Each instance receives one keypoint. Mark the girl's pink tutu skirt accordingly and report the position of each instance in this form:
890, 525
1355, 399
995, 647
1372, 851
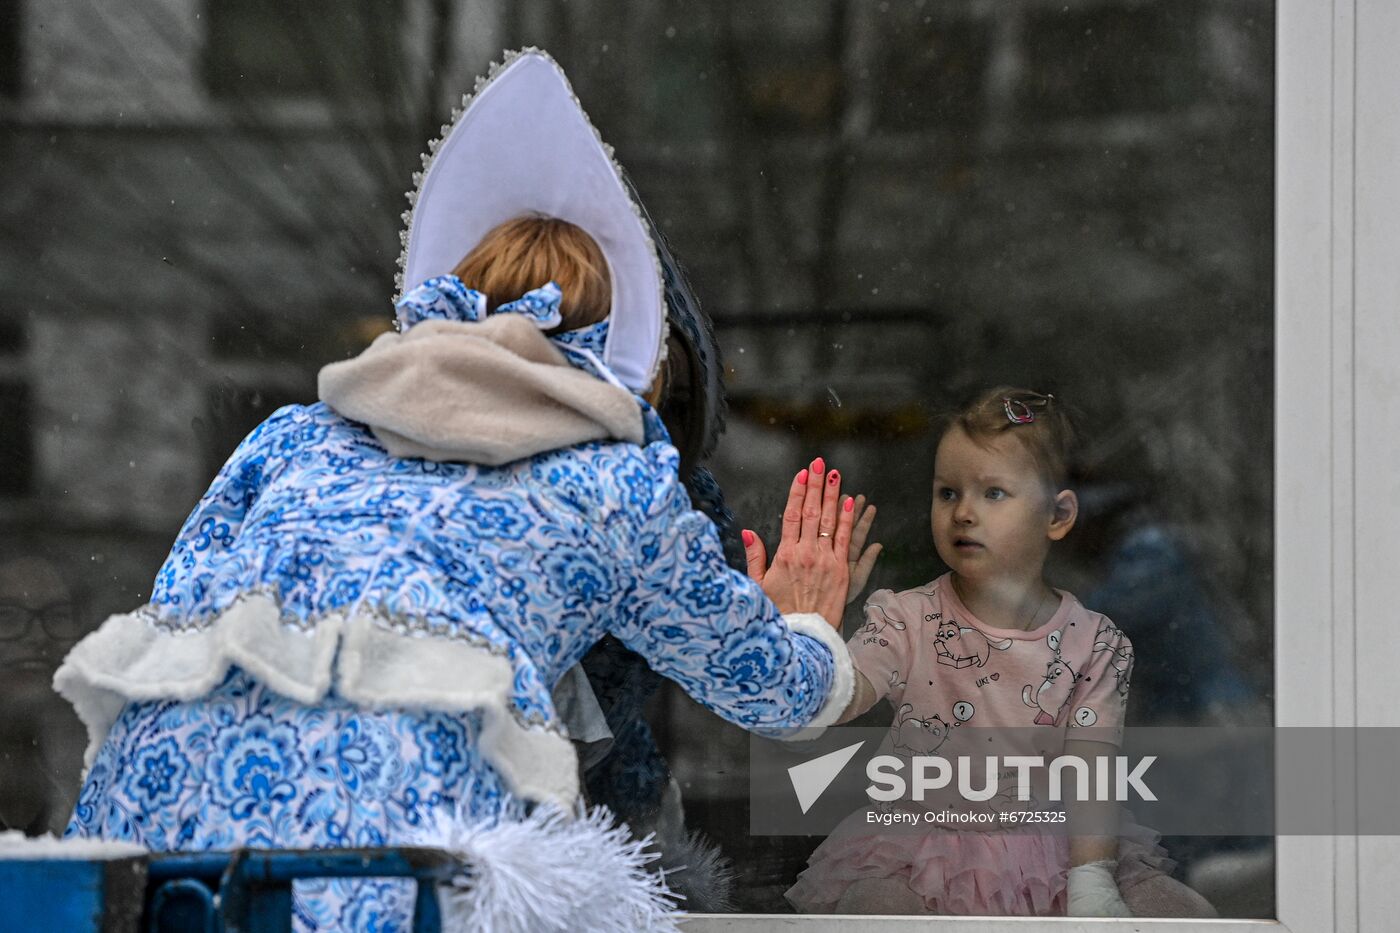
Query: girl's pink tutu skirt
963, 872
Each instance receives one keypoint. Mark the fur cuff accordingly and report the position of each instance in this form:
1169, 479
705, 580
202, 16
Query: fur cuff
842, 677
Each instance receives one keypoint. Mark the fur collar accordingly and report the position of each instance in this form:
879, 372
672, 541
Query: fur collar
487, 392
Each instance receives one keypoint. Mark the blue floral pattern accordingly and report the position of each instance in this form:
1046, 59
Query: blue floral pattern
254, 765
246, 766
365, 759
156, 775
541, 305
442, 745
534, 560
443, 298
446, 298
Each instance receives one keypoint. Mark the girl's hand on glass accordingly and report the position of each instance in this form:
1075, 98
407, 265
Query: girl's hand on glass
810, 571
861, 559
1092, 891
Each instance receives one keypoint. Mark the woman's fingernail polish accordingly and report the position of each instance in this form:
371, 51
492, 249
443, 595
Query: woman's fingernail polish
802, 478
850, 503
818, 465
748, 537
833, 477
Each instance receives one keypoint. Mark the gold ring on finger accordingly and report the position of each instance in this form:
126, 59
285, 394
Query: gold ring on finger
823, 534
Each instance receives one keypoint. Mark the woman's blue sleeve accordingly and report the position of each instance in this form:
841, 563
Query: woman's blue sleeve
712, 629
217, 520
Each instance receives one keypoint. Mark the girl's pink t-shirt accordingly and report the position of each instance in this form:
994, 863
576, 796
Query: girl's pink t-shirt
943, 669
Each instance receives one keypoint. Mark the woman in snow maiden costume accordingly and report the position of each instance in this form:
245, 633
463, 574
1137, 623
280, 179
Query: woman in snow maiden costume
354, 639
602, 700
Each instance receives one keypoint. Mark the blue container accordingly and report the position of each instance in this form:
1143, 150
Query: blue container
72, 895
243, 891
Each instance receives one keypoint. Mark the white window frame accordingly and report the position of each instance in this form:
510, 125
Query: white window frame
1337, 443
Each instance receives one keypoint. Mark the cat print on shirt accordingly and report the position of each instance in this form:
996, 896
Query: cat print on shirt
873, 632
895, 683
919, 736
1006, 801
959, 646
1121, 662
926, 736
1053, 694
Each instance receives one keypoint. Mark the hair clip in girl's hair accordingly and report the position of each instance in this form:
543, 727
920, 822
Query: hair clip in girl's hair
1018, 411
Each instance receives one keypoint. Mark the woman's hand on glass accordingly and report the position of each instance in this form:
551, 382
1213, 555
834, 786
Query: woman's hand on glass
810, 571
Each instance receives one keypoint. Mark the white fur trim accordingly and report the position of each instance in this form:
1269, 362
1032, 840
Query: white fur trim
842, 679
381, 668
132, 658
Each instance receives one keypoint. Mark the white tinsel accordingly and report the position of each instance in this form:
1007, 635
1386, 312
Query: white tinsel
699, 873
552, 871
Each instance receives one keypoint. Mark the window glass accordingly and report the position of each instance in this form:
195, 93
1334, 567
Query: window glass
259, 48
883, 207
11, 62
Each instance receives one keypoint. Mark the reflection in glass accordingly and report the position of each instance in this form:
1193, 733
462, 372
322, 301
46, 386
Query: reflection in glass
882, 206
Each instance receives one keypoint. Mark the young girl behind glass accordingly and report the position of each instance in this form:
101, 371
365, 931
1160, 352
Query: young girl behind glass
992, 644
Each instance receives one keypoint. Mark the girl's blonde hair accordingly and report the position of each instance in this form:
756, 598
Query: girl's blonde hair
526, 252
1042, 423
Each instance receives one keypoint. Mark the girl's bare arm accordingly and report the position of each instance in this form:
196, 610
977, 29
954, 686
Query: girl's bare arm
862, 698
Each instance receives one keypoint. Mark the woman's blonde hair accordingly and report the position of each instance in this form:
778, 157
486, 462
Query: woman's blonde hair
526, 252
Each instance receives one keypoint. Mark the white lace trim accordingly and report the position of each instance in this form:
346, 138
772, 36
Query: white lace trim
131, 658
843, 676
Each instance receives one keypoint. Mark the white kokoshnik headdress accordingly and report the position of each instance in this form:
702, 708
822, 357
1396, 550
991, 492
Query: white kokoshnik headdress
522, 144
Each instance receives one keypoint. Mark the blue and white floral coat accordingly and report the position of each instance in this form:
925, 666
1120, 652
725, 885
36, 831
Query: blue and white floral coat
341, 640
